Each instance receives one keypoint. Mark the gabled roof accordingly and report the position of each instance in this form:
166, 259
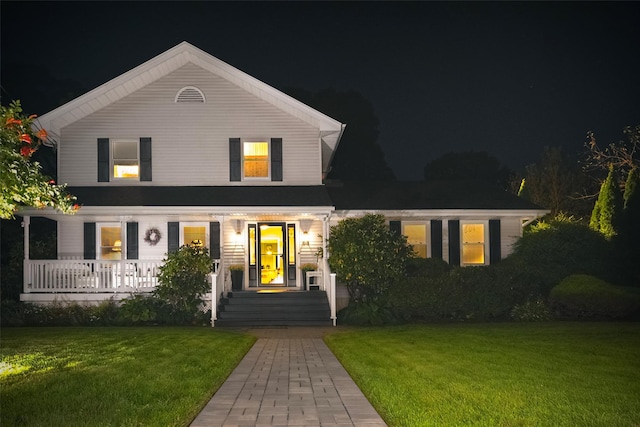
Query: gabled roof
169, 61
424, 195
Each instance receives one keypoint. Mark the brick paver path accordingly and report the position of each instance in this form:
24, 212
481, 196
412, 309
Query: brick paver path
289, 382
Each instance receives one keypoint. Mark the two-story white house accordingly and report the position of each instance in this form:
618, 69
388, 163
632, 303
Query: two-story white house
187, 148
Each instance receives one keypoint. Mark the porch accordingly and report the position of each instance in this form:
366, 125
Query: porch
93, 281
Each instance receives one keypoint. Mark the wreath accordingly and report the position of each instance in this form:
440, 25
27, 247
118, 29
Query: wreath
152, 236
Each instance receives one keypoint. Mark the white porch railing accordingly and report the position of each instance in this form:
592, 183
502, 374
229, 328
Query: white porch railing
88, 276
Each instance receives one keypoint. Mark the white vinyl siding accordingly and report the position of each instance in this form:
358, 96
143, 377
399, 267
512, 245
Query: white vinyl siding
70, 239
510, 232
190, 141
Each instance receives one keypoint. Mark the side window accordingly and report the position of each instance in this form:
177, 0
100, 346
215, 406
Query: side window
255, 159
416, 237
125, 159
474, 241
109, 241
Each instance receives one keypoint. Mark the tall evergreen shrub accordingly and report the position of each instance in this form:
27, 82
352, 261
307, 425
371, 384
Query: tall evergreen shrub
606, 216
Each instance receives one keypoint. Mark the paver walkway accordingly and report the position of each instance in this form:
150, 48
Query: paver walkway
291, 381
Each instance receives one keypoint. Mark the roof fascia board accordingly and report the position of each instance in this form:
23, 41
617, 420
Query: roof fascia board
445, 213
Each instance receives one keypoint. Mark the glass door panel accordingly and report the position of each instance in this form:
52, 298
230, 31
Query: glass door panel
271, 249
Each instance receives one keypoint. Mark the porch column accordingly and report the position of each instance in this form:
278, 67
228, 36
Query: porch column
329, 280
26, 270
123, 252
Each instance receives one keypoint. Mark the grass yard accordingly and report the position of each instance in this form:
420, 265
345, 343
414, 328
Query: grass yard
112, 376
539, 374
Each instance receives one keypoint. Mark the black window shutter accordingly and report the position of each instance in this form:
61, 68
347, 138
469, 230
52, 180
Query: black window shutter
89, 240
454, 242
103, 159
173, 236
214, 239
132, 240
495, 252
235, 171
395, 227
276, 159
436, 238
145, 159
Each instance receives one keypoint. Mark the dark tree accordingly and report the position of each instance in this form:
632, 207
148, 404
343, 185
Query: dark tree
556, 184
474, 165
623, 155
359, 156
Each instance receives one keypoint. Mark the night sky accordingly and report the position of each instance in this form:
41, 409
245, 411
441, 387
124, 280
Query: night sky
507, 78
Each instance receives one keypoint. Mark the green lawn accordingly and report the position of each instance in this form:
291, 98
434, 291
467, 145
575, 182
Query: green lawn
541, 374
112, 376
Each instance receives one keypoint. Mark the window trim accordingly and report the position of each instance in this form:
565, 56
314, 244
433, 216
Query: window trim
112, 159
486, 255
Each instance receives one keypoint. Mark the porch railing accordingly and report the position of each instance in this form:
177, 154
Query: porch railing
86, 276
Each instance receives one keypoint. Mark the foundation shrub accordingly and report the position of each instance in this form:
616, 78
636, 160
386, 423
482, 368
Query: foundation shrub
532, 310
581, 296
549, 252
182, 282
140, 310
457, 294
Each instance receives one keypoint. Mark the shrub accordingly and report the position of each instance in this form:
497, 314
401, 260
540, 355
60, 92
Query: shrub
531, 311
549, 252
586, 297
367, 257
461, 293
139, 310
367, 313
427, 267
182, 282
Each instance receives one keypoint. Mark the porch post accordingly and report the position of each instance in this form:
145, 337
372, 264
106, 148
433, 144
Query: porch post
123, 252
26, 263
214, 298
329, 280
332, 303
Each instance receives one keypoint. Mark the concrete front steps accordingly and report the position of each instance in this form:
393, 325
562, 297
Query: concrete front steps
288, 308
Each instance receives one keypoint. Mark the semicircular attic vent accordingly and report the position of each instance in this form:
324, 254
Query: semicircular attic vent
190, 95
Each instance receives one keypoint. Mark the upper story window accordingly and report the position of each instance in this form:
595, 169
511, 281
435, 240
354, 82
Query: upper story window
474, 240
255, 157
125, 159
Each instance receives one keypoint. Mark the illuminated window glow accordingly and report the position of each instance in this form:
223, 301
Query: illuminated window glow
125, 159
110, 242
194, 235
473, 244
256, 159
417, 237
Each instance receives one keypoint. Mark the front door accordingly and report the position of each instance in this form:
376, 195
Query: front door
272, 254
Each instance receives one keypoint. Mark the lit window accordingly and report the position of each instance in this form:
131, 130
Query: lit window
125, 159
417, 238
256, 159
110, 242
194, 235
473, 244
